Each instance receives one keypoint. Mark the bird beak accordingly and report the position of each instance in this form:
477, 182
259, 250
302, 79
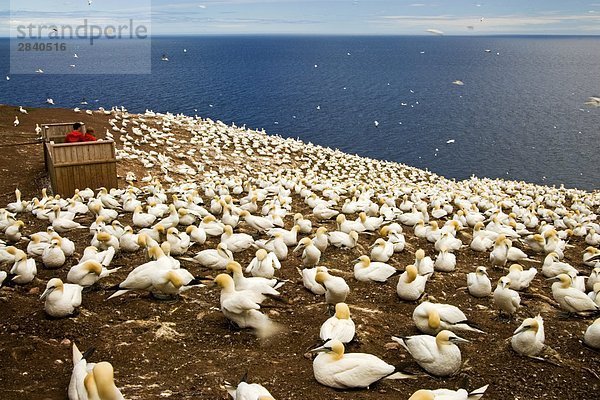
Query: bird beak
460, 340
46, 293
320, 349
522, 329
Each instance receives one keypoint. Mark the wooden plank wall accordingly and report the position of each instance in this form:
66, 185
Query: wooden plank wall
56, 132
81, 165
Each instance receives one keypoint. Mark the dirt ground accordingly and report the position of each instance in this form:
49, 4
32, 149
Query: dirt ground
186, 349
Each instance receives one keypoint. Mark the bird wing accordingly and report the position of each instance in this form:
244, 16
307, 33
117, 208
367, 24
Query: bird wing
275, 260
580, 303
361, 370
450, 314
470, 278
421, 348
74, 292
238, 303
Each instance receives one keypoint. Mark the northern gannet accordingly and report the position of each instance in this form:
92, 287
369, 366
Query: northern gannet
365, 270
570, 299
528, 339
411, 285
333, 368
592, 335
520, 279
437, 355
506, 299
447, 394
478, 283
264, 264
310, 253
61, 298
336, 288
431, 318
340, 326
242, 307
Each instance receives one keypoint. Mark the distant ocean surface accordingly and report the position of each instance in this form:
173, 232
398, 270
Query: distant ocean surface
519, 115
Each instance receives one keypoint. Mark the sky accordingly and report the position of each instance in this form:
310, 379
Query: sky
327, 17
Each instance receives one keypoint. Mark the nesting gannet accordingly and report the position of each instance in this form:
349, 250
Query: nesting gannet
53, 256
88, 273
553, 267
520, 279
213, 258
248, 391
103, 257
343, 240
321, 239
439, 355
36, 247
61, 298
92, 381
263, 264
340, 326
179, 241
104, 240
290, 238
445, 261
571, 299
323, 213
304, 224
336, 288
236, 242
366, 270
591, 256
62, 225
310, 253
432, 318
275, 244
506, 299
13, 231
309, 280
478, 283
23, 269
261, 224
593, 278
447, 394
160, 281
141, 219
381, 250
499, 254
197, 234
592, 335
129, 241
424, 264
242, 307
528, 339
411, 285
256, 283
395, 238
333, 368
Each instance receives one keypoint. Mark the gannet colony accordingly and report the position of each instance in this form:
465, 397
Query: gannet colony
211, 208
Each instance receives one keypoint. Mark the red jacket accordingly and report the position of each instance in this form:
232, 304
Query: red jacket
76, 137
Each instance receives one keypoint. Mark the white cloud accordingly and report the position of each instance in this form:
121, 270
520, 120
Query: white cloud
490, 24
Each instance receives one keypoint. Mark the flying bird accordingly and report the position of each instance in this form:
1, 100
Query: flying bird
436, 32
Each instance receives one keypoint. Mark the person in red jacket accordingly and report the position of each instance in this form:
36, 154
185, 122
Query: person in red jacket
77, 136
88, 136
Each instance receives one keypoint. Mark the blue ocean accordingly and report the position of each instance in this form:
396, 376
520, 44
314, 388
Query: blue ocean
519, 114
